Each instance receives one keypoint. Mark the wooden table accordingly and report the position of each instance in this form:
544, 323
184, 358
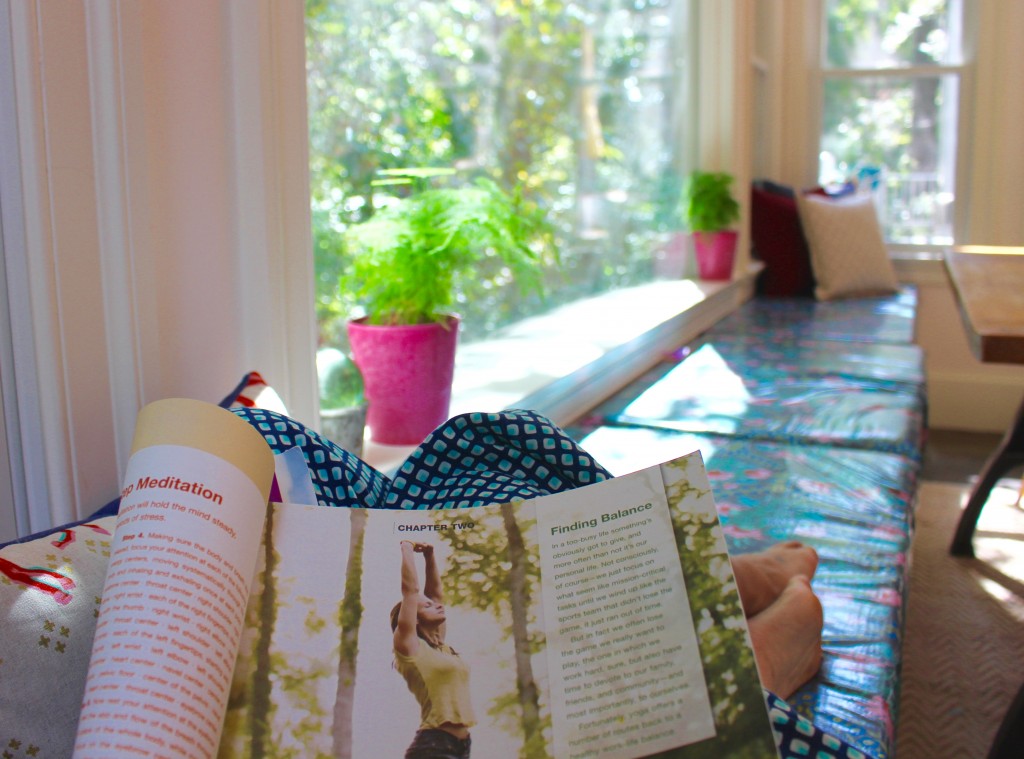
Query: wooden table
989, 286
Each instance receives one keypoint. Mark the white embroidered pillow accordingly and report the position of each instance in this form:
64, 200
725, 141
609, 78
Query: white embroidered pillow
848, 252
50, 592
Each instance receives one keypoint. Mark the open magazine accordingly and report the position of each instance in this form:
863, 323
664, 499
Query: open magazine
602, 621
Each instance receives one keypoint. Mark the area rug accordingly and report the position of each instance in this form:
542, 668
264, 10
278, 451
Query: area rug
964, 645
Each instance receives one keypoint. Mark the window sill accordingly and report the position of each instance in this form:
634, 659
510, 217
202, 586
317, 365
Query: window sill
921, 266
563, 363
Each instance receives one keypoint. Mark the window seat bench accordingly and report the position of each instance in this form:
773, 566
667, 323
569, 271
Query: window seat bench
811, 419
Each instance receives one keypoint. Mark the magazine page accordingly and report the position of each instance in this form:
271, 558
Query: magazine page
285, 697
182, 560
743, 727
624, 666
603, 621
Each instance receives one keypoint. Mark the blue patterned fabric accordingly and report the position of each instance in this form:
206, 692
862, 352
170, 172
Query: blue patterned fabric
704, 394
797, 736
856, 509
339, 478
776, 357
472, 460
883, 319
476, 459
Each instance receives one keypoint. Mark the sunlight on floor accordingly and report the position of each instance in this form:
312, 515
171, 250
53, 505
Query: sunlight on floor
999, 547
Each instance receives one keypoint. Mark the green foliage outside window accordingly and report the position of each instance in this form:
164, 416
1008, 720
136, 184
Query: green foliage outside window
574, 103
877, 121
881, 122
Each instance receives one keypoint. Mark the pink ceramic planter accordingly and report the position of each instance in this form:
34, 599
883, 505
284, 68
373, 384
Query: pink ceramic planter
715, 253
407, 372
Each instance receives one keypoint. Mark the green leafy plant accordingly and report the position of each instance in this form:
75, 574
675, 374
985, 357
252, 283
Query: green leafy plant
410, 258
707, 203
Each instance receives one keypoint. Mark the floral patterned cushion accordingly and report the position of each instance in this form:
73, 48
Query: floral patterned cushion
855, 508
706, 394
881, 319
50, 591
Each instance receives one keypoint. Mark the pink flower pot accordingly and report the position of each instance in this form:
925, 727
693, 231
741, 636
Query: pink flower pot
670, 258
407, 371
716, 252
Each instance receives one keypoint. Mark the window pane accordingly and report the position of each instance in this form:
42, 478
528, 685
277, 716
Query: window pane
891, 33
896, 135
581, 103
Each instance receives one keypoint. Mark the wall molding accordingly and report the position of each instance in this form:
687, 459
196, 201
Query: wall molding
272, 225
156, 227
34, 406
971, 401
13, 497
112, 34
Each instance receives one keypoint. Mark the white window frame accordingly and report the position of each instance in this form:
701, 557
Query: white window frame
156, 228
952, 132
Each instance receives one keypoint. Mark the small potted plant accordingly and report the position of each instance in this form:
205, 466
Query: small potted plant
407, 265
709, 211
342, 399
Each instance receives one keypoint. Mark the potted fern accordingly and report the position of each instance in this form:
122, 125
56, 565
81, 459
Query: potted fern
709, 211
408, 264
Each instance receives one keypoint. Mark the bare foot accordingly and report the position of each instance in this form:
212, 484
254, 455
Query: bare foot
787, 638
761, 577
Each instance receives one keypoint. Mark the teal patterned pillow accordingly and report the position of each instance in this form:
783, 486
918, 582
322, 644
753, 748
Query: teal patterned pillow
49, 597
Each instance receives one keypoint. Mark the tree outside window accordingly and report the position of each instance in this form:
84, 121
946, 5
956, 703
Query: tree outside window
891, 92
579, 104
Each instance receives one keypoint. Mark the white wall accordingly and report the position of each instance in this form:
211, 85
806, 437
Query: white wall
995, 162
160, 244
51, 248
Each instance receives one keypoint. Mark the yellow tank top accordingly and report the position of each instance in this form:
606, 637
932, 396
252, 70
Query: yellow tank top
439, 679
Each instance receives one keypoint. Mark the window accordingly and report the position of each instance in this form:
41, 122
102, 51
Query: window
582, 104
891, 73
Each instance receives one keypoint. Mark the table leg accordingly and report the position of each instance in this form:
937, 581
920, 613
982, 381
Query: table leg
1008, 455
1010, 735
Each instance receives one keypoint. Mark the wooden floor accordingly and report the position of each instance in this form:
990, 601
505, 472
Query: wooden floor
956, 456
963, 656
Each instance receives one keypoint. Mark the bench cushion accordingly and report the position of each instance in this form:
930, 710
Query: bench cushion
787, 357
704, 394
855, 508
887, 318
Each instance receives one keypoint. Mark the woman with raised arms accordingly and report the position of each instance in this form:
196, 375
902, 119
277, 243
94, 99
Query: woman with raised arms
434, 672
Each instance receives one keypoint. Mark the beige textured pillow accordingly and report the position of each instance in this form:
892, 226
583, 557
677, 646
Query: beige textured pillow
848, 253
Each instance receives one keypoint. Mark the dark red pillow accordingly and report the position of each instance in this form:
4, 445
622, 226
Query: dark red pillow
778, 241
